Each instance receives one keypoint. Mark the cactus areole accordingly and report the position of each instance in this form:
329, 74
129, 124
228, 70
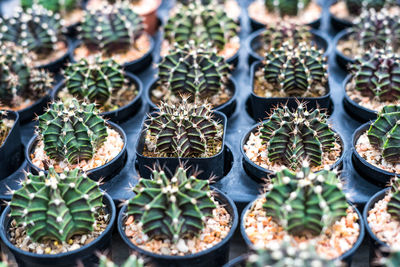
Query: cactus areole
286, 7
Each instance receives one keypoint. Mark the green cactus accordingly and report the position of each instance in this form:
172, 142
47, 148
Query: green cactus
356, 6
196, 71
393, 260
305, 202
393, 206
201, 23
56, 206
110, 28
384, 133
37, 29
172, 208
57, 6
292, 136
132, 261
4, 127
286, 7
72, 132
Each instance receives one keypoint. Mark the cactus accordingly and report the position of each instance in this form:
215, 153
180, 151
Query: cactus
185, 130
194, 71
201, 23
292, 136
56, 206
286, 7
393, 206
94, 79
305, 203
132, 261
57, 6
4, 127
356, 6
295, 70
393, 260
72, 132
37, 29
172, 208
110, 28
384, 133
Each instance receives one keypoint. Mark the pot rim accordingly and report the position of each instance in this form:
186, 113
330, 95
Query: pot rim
70, 48
351, 101
341, 35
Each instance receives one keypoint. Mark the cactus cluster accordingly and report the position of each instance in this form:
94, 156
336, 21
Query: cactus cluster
193, 70
57, 6
356, 6
384, 133
132, 261
285, 7
305, 203
4, 127
36, 29
109, 28
292, 136
72, 132
56, 206
201, 23
171, 208
184, 130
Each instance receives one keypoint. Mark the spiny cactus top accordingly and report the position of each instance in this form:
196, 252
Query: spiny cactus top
304, 203
56, 206
384, 133
377, 74
184, 130
132, 261
193, 70
201, 23
110, 27
53, 5
295, 70
4, 126
72, 132
94, 79
172, 208
295, 135
286, 7
36, 29
356, 6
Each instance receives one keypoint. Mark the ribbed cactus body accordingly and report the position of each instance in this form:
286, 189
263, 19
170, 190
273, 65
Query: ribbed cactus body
132, 261
53, 5
72, 132
56, 206
286, 7
286, 32
173, 208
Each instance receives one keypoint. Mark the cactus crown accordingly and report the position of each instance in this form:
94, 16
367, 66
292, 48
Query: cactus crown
201, 23
111, 27
293, 136
286, 32
295, 70
286, 7
4, 127
304, 203
36, 29
172, 208
94, 79
72, 132
56, 206
196, 71
57, 6
132, 261
356, 6
393, 206
185, 130
384, 133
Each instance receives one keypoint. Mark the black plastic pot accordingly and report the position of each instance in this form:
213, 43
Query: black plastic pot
105, 172
355, 110
237, 262
11, 154
339, 24
121, 114
209, 166
258, 173
254, 42
58, 64
345, 257
342, 60
85, 254
256, 25
262, 105
215, 256
228, 108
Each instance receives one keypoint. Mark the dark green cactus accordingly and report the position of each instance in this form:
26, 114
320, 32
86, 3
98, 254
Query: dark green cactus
172, 208
184, 130
384, 133
36, 29
94, 79
110, 28
286, 7
195, 71
305, 202
393, 260
296, 70
356, 6
56, 206
201, 23
132, 261
72, 132
4, 127
292, 136
57, 6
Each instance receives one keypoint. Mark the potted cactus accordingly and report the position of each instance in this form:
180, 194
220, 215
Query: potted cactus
195, 71
57, 219
287, 138
178, 220
40, 31
231, 7
307, 207
73, 135
265, 12
185, 132
116, 31
116, 92
132, 261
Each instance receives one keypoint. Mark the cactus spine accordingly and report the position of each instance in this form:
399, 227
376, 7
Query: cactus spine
132, 261
285, 32
393, 206
286, 7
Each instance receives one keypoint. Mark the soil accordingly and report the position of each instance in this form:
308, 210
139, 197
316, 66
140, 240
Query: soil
60, 50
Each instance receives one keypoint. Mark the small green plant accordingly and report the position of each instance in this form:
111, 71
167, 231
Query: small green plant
58, 6
4, 127
275, 35
286, 7
132, 261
